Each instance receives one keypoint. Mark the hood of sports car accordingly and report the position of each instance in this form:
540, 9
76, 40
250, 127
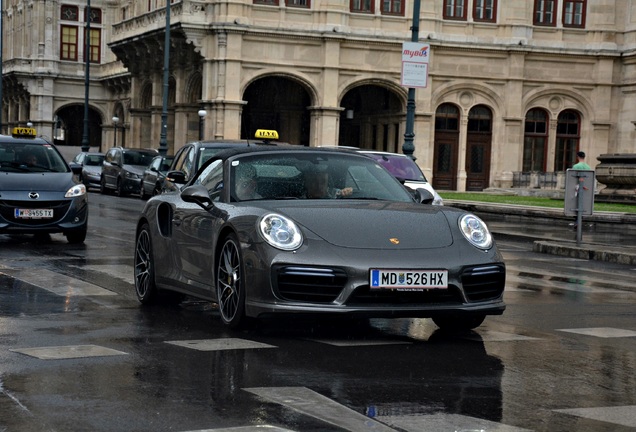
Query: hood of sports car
36, 182
376, 225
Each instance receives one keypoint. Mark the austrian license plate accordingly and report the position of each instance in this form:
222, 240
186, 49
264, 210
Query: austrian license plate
33, 213
408, 279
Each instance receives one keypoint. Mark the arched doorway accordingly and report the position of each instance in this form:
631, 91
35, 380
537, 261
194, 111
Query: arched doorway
478, 145
277, 103
371, 119
446, 147
69, 126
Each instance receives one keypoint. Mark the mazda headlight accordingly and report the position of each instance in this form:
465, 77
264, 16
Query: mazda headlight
475, 231
75, 191
280, 232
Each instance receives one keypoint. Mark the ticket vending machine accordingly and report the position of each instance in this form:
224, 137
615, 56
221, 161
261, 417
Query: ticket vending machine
579, 196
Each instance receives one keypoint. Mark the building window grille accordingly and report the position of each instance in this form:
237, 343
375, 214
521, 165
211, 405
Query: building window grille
299, 3
95, 42
361, 6
68, 49
393, 7
485, 10
574, 13
70, 13
455, 9
544, 12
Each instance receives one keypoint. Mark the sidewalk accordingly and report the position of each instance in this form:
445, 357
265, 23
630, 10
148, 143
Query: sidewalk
606, 236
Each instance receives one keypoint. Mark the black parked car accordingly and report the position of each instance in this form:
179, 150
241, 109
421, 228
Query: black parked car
91, 168
193, 155
39, 193
154, 176
123, 168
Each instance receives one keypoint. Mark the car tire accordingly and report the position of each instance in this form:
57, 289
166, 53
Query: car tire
230, 284
454, 323
120, 188
145, 286
102, 186
76, 236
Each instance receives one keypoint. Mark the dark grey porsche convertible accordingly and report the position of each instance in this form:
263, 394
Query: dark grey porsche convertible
271, 231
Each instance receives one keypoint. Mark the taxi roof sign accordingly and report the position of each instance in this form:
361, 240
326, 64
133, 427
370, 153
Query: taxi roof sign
23, 132
266, 134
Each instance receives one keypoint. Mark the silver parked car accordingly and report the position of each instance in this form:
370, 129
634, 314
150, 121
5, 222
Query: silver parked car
123, 168
91, 168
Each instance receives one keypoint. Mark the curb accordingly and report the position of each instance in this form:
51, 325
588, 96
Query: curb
586, 251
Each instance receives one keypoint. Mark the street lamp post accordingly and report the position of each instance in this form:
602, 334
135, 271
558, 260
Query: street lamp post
87, 58
115, 123
408, 148
202, 114
163, 137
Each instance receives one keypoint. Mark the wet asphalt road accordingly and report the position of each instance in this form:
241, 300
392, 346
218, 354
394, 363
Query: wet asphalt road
77, 352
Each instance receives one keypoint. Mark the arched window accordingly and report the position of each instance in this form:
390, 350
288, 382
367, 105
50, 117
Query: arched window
567, 139
447, 118
479, 119
535, 140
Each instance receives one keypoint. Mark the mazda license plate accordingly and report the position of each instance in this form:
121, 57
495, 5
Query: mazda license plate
408, 279
33, 213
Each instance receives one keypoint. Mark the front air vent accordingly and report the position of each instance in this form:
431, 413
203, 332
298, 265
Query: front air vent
308, 284
484, 282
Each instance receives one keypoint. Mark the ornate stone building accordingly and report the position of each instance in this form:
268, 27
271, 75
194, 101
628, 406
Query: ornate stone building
514, 89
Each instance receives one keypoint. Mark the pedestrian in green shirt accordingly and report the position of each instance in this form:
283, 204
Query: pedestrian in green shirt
580, 165
580, 162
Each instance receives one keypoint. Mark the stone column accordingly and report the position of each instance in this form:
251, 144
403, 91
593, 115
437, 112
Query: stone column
325, 124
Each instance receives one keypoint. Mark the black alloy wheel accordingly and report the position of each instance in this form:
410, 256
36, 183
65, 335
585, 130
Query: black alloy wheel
230, 287
145, 286
102, 185
120, 188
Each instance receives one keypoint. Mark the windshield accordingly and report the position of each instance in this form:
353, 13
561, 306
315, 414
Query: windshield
401, 167
94, 160
28, 158
312, 175
132, 157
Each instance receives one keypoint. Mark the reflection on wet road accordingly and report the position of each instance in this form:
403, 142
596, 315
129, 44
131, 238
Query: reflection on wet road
78, 353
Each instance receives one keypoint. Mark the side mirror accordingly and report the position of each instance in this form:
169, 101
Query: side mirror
197, 194
176, 177
423, 196
76, 168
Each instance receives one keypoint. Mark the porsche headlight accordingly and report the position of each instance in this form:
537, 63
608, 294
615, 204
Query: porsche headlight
280, 232
475, 231
75, 191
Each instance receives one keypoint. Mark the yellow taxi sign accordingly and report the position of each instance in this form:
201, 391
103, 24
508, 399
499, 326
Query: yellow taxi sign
23, 132
266, 134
